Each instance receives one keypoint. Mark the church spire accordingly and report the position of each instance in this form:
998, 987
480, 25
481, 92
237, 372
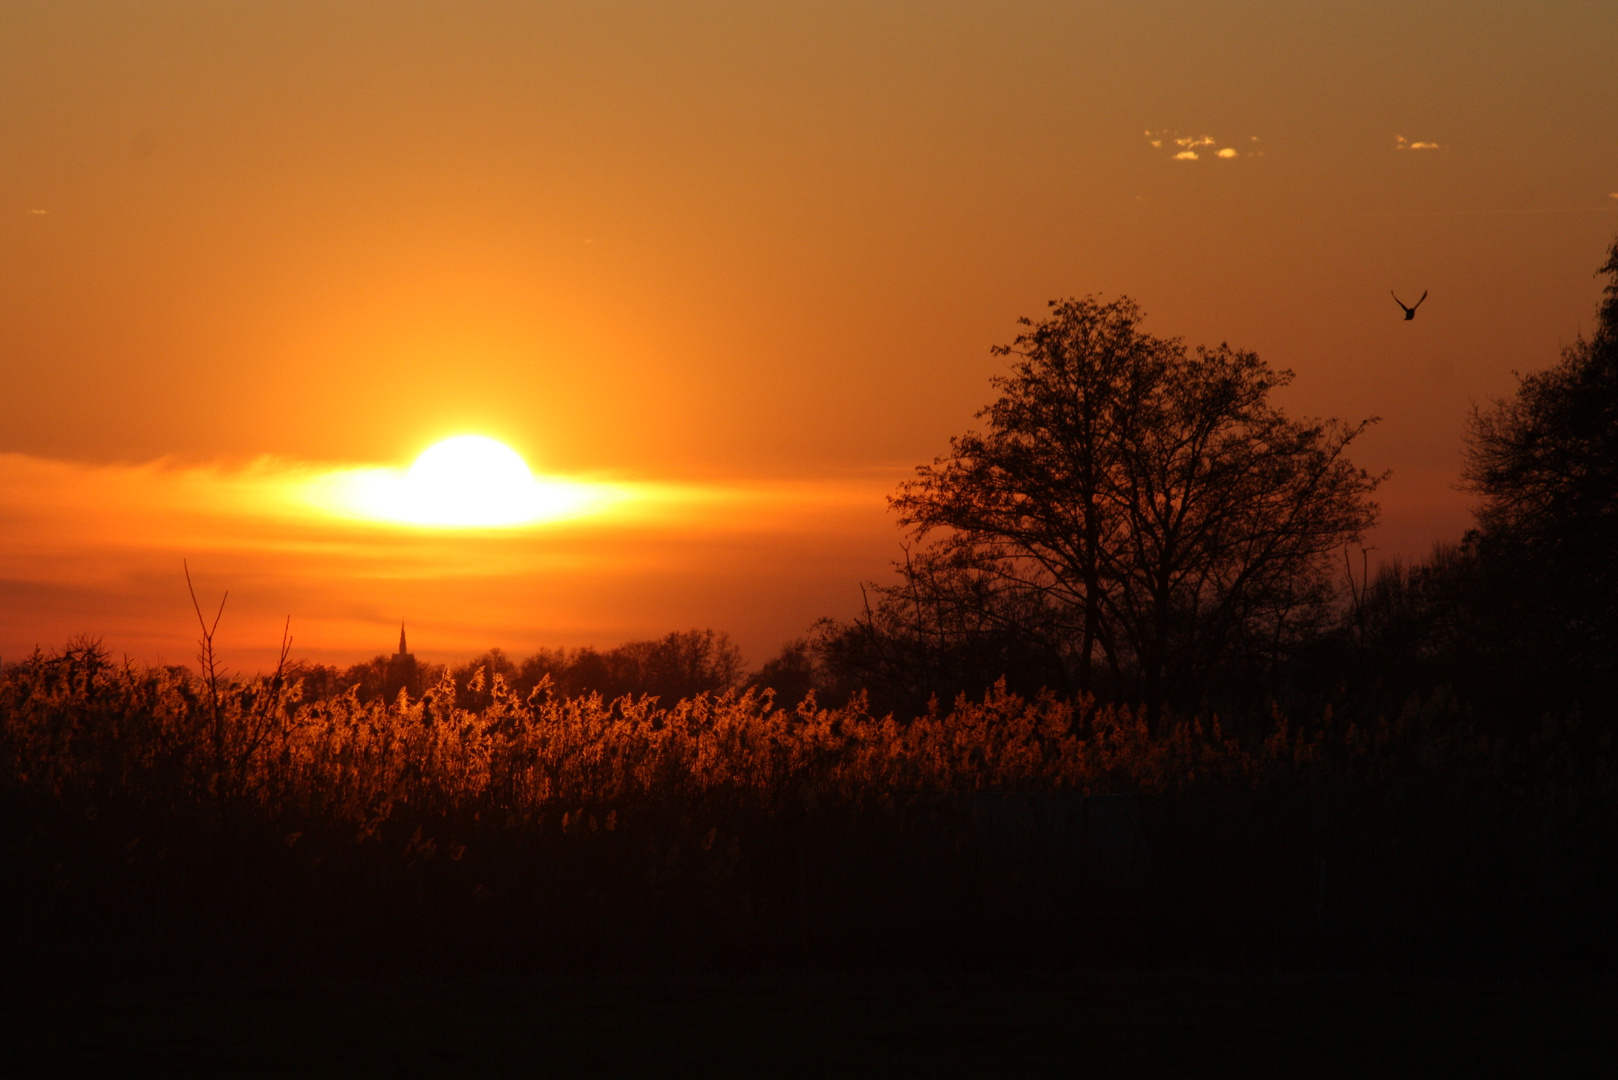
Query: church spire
402, 649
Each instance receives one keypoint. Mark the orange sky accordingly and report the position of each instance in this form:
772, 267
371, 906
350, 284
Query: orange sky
716, 246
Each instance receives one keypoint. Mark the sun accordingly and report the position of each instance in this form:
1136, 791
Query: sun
470, 480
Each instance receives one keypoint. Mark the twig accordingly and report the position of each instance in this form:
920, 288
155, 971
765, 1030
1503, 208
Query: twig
205, 654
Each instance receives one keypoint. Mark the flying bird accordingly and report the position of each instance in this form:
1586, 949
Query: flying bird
1410, 312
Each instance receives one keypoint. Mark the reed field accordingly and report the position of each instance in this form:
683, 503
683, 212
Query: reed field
157, 821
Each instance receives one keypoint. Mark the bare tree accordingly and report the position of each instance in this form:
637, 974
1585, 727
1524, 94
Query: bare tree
1136, 500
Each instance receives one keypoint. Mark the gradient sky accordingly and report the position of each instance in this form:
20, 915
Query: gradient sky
753, 255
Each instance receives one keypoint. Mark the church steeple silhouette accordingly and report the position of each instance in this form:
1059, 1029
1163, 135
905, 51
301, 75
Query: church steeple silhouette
403, 674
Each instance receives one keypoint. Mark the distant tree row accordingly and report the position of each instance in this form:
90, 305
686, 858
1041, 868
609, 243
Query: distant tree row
679, 665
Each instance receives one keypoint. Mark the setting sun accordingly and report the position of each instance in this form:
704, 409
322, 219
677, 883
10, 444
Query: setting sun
470, 480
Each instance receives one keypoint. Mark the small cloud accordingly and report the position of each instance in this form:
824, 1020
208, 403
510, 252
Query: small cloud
42, 213
1189, 147
1402, 143
1612, 195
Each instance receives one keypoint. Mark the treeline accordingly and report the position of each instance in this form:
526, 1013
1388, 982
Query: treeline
679, 665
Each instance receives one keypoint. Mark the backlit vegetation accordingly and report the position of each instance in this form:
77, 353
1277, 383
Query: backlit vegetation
152, 819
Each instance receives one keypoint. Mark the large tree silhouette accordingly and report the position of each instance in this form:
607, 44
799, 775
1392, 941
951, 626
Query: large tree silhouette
1545, 464
1143, 508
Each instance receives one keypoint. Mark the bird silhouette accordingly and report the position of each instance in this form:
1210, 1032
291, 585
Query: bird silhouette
1410, 312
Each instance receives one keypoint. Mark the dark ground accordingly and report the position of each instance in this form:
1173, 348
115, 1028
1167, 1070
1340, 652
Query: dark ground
878, 1024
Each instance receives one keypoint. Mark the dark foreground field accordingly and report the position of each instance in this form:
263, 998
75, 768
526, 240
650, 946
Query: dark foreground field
227, 879
800, 1025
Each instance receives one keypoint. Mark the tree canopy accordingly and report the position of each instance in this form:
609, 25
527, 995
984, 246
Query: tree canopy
1545, 465
1142, 510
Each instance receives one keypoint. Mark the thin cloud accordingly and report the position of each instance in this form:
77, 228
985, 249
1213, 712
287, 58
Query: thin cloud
1186, 155
1402, 143
1227, 152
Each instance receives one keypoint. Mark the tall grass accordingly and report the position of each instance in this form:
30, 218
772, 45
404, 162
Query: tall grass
75, 726
149, 814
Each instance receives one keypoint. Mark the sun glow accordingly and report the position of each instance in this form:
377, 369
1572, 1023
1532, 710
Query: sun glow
465, 482
471, 480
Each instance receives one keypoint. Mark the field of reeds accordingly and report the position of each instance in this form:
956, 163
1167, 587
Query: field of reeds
151, 820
